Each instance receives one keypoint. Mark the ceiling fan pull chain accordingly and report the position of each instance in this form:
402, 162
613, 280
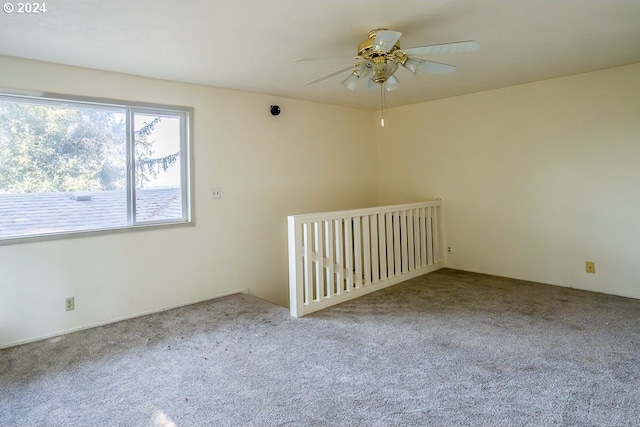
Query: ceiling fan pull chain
382, 103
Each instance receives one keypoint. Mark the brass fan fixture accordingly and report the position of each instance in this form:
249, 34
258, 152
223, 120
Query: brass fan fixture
380, 55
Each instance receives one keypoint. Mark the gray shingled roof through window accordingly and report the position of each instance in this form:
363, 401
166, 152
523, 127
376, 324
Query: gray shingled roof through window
44, 213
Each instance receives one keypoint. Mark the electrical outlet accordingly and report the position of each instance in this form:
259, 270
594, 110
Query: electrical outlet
590, 267
449, 250
70, 304
216, 193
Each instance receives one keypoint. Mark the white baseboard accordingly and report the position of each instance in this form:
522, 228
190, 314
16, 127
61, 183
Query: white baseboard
119, 319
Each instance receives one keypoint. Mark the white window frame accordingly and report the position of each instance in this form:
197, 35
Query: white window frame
131, 108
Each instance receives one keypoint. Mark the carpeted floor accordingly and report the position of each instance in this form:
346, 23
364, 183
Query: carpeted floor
448, 348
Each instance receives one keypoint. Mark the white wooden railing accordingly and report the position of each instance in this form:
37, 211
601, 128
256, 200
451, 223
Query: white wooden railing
338, 256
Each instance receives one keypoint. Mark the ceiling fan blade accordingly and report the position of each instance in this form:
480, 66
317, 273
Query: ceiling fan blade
392, 83
322, 58
385, 40
416, 64
350, 67
437, 68
443, 49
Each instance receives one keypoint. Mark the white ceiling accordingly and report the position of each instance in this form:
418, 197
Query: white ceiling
250, 45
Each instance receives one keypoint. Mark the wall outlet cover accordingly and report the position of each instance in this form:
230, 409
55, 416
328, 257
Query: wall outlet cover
590, 267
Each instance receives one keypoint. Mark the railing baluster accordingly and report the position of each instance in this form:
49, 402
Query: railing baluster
318, 247
404, 241
428, 224
416, 237
328, 243
396, 244
308, 263
382, 246
339, 256
437, 250
423, 237
357, 251
348, 253
366, 249
390, 246
410, 242
375, 265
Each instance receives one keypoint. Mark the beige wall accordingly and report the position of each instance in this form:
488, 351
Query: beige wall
267, 167
536, 179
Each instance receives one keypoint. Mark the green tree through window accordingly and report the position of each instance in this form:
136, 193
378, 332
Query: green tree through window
59, 148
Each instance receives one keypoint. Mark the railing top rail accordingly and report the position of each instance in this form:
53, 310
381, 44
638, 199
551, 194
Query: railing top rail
365, 211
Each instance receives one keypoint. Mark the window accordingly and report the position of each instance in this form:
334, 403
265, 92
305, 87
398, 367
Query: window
69, 166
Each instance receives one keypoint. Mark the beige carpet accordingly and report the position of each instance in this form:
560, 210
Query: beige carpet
449, 348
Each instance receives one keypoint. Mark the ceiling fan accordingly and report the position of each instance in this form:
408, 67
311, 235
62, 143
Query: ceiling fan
380, 55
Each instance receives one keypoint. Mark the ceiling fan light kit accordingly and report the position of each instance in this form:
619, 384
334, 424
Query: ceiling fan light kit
351, 81
380, 55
